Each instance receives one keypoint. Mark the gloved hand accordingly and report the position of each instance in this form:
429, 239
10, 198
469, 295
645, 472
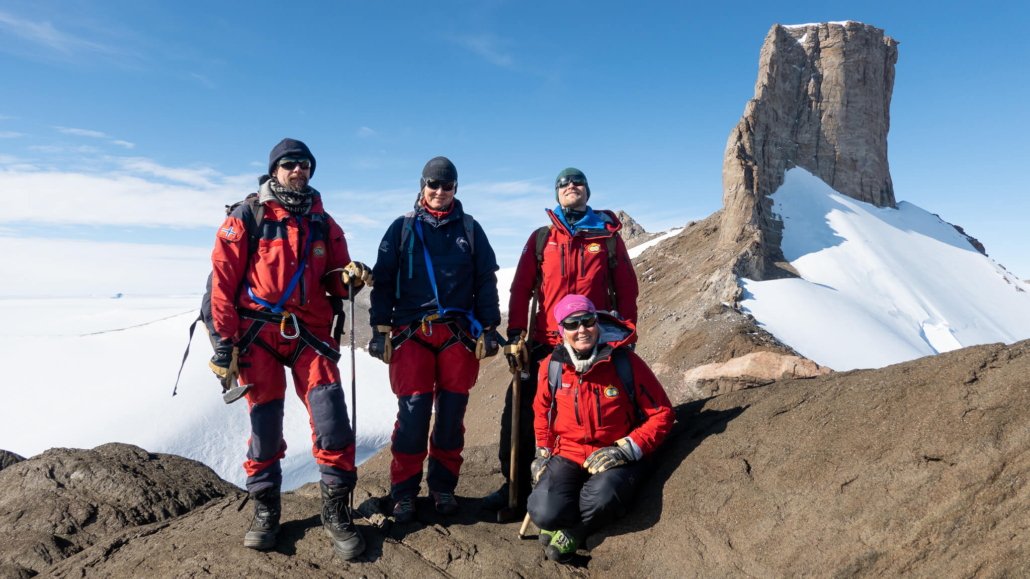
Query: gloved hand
517, 352
225, 365
380, 345
608, 457
486, 344
357, 272
539, 463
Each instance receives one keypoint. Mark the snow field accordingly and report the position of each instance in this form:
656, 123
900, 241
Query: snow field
880, 286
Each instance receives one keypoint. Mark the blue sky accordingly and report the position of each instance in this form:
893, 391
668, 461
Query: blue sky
135, 122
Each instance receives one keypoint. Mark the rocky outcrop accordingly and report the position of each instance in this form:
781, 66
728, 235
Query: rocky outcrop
60, 502
9, 458
822, 102
633, 234
749, 371
919, 470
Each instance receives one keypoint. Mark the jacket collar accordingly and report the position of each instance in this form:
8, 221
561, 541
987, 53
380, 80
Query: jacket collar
611, 224
429, 219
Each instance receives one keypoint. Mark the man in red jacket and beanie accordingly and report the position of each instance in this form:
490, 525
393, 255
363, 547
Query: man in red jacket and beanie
277, 258
594, 432
580, 252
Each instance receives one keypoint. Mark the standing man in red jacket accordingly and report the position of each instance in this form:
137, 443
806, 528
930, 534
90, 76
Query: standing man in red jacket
599, 414
275, 260
580, 252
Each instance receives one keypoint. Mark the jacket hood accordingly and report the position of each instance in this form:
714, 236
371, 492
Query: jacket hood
429, 218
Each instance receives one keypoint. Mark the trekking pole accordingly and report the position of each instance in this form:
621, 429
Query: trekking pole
353, 378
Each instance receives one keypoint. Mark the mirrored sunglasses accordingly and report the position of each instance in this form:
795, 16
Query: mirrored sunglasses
565, 181
445, 185
289, 163
573, 322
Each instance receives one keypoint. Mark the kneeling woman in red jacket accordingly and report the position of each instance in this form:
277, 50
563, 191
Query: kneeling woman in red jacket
594, 434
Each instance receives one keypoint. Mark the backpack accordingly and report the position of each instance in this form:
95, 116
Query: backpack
624, 368
540, 240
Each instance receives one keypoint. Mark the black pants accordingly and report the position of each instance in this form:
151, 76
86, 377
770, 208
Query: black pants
527, 436
567, 497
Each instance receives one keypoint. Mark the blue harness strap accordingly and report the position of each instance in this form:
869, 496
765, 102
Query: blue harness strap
477, 328
278, 307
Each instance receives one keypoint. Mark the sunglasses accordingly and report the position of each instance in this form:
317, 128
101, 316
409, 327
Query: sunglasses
445, 185
571, 324
566, 181
289, 163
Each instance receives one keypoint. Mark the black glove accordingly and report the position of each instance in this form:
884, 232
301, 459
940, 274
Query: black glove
539, 464
380, 345
225, 364
486, 344
608, 457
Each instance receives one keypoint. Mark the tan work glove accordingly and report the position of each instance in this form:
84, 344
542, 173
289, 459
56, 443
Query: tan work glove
517, 352
608, 457
225, 365
357, 272
486, 344
539, 464
380, 345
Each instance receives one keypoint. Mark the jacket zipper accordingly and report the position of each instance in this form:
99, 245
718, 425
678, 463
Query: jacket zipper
648, 394
582, 273
597, 395
300, 243
563, 260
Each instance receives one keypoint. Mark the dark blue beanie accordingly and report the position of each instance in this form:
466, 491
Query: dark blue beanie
289, 148
570, 172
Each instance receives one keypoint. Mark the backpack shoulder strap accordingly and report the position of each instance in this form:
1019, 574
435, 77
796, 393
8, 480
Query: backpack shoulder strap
553, 382
613, 263
407, 239
470, 231
624, 367
540, 242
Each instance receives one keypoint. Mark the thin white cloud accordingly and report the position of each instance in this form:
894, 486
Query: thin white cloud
58, 149
365, 132
10, 135
46, 35
82, 132
488, 47
9, 160
7, 118
203, 80
125, 144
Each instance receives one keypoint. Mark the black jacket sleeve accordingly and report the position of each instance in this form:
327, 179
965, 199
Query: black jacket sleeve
382, 296
487, 309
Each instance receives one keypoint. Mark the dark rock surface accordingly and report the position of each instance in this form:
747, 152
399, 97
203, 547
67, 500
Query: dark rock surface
9, 458
822, 103
633, 234
64, 500
916, 470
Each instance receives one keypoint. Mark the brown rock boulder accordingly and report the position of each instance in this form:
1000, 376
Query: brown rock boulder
64, 500
822, 102
749, 371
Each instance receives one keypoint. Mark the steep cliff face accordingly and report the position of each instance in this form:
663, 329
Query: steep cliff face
633, 234
822, 102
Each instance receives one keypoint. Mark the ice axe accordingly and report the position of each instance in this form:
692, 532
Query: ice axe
353, 376
511, 512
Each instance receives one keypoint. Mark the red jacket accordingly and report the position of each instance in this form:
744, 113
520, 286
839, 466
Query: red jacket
592, 409
273, 265
572, 265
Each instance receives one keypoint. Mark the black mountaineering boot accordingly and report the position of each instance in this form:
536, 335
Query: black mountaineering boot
338, 522
266, 519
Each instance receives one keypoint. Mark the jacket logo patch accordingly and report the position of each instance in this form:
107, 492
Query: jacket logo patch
231, 233
594, 248
463, 244
611, 392
384, 246
318, 249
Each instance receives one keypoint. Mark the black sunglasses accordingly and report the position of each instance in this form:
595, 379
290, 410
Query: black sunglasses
571, 323
445, 185
564, 181
289, 163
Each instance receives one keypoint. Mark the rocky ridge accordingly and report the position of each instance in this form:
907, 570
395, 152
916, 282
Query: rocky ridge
633, 234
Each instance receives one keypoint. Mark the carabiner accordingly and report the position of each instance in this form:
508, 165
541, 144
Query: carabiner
282, 326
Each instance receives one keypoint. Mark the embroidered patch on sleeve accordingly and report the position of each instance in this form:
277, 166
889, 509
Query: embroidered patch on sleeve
384, 246
231, 231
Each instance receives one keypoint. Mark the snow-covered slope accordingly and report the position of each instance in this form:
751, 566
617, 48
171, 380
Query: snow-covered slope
880, 286
82, 372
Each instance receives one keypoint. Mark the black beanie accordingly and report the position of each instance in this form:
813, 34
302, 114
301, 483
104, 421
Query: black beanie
570, 172
289, 148
439, 169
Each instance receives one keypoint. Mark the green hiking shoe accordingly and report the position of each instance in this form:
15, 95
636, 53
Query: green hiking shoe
563, 546
545, 537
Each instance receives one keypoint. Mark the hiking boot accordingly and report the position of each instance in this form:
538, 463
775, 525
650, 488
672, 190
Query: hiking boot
545, 537
563, 546
404, 510
339, 522
264, 528
445, 502
496, 500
